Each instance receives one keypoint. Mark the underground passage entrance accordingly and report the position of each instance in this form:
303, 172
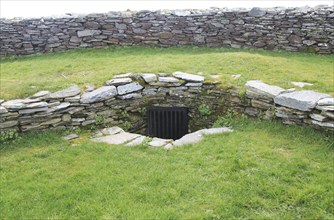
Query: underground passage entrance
167, 122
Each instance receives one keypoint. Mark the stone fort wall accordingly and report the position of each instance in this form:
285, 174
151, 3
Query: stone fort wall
289, 29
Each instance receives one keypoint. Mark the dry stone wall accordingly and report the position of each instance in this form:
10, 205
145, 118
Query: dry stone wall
124, 100
290, 29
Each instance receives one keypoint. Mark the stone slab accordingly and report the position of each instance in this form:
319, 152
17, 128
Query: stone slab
118, 81
32, 110
159, 142
8, 124
112, 130
326, 102
215, 130
262, 89
100, 94
120, 138
191, 138
131, 96
129, 88
15, 104
168, 79
3, 110
300, 100
136, 142
188, 77
70, 91
149, 77
41, 94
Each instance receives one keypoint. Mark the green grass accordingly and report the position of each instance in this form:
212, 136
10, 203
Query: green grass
263, 170
24, 76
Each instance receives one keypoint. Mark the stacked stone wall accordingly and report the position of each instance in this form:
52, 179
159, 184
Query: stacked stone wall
123, 101
290, 29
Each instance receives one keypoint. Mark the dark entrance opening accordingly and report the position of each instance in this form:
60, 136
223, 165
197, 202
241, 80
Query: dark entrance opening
167, 122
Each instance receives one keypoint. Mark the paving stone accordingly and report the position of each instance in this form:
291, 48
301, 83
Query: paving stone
136, 142
191, 138
159, 142
300, 100
215, 130
112, 130
100, 94
188, 77
120, 138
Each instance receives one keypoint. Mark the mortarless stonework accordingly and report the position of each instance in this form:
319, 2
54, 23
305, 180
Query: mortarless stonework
290, 29
125, 105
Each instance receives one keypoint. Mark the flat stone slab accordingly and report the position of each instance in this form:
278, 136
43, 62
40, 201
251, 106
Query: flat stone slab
326, 102
149, 77
41, 94
262, 89
70, 137
159, 142
191, 138
112, 130
100, 94
188, 77
168, 79
86, 33
129, 88
61, 106
70, 91
209, 131
118, 81
15, 104
131, 96
8, 124
300, 100
136, 142
3, 110
120, 138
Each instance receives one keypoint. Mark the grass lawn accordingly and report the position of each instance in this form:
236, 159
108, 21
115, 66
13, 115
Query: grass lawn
263, 170
24, 76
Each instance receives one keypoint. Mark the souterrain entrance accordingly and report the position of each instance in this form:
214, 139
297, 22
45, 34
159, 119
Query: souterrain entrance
167, 122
